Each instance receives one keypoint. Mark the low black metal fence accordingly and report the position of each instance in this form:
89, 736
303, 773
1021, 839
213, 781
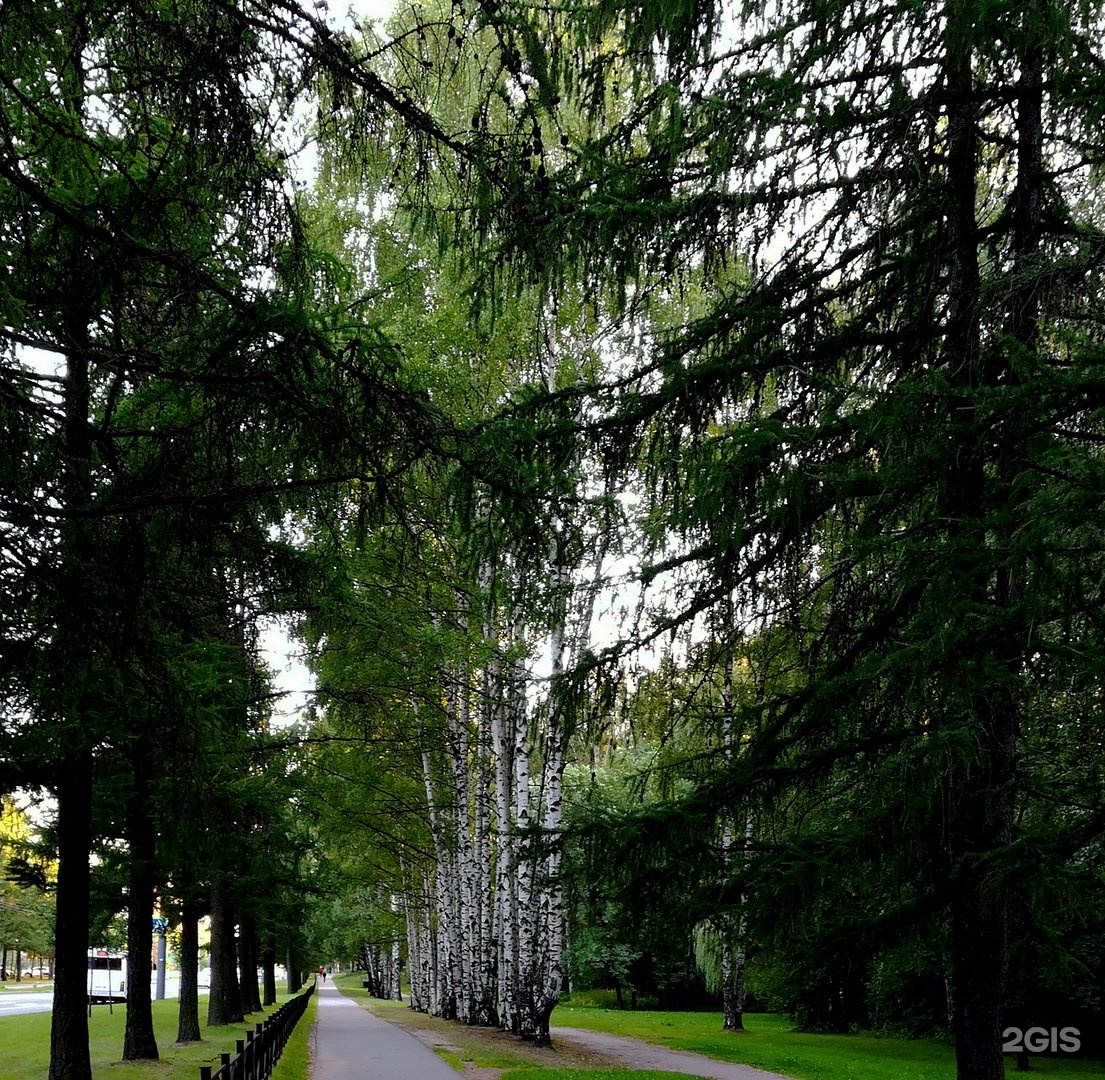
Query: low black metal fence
260, 1050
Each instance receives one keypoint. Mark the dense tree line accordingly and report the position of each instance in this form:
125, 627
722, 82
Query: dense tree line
872, 430
173, 390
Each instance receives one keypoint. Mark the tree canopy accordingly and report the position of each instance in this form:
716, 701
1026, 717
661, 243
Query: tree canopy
676, 428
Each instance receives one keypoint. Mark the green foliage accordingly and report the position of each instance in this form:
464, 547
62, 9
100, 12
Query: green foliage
631, 905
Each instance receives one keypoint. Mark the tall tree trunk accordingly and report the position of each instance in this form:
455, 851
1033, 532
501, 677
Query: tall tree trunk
734, 956
438, 886
247, 964
732, 923
484, 853
505, 884
484, 868
188, 1020
268, 967
979, 794
224, 1004
139, 1042
415, 987
523, 873
69, 1056
396, 964
291, 967
464, 940
548, 972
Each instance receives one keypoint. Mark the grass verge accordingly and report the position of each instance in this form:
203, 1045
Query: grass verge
295, 1061
771, 1043
25, 1045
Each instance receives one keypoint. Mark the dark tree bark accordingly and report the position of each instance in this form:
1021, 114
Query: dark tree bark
295, 979
188, 1021
139, 1042
69, 1057
224, 1005
979, 780
268, 967
247, 964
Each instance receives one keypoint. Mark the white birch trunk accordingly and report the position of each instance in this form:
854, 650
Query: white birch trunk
523, 863
506, 907
415, 968
483, 857
396, 988
462, 967
427, 959
549, 970
438, 887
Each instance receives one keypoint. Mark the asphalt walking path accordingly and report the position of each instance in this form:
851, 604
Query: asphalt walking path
638, 1054
352, 1044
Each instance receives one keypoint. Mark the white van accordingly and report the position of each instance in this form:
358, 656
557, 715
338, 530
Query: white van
107, 972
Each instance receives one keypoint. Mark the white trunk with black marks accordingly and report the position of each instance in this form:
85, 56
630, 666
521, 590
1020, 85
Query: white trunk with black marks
436, 885
523, 859
427, 948
484, 861
734, 932
494, 900
547, 969
417, 967
450, 926
395, 991
461, 942
506, 907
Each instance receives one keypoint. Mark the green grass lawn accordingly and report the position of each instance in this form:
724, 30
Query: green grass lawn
25, 1045
771, 1043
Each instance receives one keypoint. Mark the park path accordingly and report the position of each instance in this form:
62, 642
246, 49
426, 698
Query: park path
352, 1044
637, 1054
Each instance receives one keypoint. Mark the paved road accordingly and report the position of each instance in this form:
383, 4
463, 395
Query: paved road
638, 1054
352, 1044
18, 1002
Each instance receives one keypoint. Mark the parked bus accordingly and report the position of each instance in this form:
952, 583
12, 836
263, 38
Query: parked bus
106, 976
